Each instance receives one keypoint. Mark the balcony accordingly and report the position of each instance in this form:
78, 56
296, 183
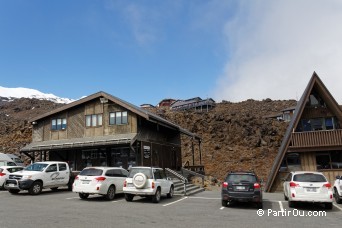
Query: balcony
329, 138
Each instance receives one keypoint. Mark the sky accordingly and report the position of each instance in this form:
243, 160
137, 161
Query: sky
147, 50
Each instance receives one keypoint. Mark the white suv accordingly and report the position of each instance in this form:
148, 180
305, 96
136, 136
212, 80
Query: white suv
106, 181
307, 186
338, 189
147, 181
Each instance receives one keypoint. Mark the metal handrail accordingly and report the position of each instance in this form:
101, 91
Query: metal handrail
194, 174
180, 177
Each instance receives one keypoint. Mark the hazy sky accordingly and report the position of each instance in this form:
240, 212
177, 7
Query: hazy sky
144, 51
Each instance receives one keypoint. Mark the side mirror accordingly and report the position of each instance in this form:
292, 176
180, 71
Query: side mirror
338, 177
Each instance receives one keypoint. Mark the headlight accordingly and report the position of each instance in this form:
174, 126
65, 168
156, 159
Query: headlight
26, 177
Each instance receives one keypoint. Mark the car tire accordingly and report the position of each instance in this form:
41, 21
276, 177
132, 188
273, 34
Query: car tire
110, 193
260, 205
54, 189
328, 206
13, 191
286, 198
291, 204
83, 195
156, 197
129, 197
337, 196
224, 203
3, 186
36, 188
139, 180
170, 194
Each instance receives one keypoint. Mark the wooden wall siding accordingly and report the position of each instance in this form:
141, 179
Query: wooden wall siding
308, 161
94, 107
38, 132
310, 113
47, 129
331, 175
316, 138
76, 123
278, 183
131, 127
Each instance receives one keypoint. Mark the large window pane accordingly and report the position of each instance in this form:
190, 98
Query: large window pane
93, 120
88, 121
59, 124
53, 124
64, 123
112, 118
118, 118
124, 118
99, 119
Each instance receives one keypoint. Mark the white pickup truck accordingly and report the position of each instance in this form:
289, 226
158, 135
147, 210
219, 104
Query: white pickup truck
39, 175
338, 189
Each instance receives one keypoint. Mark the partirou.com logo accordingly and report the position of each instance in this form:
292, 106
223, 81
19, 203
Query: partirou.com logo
294, 212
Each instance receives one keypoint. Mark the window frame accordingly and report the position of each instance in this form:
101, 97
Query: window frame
114, 116
58, 123
94, 120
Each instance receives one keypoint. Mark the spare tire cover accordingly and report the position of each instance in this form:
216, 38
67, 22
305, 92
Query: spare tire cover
139, 180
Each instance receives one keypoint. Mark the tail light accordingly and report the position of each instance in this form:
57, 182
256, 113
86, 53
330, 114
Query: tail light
2, 174
76, 178
125, 184
152, 185
100, 179
293, 195
327, 185
293, 185
225, 185
256, 185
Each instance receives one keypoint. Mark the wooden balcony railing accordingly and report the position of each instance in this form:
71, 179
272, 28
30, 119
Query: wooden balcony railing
316, 138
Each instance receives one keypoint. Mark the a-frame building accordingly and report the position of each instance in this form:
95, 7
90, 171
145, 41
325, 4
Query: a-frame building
313, 140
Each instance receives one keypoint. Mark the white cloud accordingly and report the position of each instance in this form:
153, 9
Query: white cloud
275, 46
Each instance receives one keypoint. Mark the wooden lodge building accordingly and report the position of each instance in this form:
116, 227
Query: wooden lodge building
103, 130
313, 140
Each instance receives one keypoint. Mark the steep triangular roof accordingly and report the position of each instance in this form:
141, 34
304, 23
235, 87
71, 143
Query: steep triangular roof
314, 83
135, 109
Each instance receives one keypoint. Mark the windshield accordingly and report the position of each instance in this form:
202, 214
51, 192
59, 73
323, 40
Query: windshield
36, 167
309, 177
147, 172
91, 172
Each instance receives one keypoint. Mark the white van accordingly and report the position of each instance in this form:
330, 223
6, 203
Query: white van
12, 158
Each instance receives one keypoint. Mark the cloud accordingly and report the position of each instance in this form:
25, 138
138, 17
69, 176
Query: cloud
275, 46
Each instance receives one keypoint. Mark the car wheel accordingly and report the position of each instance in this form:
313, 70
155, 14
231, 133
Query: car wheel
129, 197
156, 197
291, 204
328, 206
224, 203
337, 197
54, 189
110, 193
170, 194
36, 188
83, 195
259, 205
13, 191
285, 197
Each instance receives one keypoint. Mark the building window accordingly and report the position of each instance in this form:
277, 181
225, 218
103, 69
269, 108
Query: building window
318, 124
291, 162
94, 120
58, 124
287, 116
329, 160
118, 118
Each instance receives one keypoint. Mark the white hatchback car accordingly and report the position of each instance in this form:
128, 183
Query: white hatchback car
106, 181
306, 186
5, 171
148, 181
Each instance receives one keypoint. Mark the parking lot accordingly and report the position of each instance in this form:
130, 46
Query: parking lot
64, 209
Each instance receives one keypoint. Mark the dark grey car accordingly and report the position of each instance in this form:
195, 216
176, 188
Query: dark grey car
241, 187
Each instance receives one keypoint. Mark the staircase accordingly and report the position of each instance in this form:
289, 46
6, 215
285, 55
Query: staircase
182, 185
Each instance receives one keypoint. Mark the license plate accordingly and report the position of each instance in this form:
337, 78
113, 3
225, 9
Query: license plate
311, 189
10, 185
240, 187
85, 182
130, 185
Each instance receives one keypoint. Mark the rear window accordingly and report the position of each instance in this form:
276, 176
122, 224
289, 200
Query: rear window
91, 172
309, 177
147, 172
238, 178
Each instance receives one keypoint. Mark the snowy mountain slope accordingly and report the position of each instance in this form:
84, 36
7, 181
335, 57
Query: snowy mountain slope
12, 93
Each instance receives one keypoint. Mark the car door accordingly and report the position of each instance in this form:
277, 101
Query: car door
118, 179
64, 174
51, 175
